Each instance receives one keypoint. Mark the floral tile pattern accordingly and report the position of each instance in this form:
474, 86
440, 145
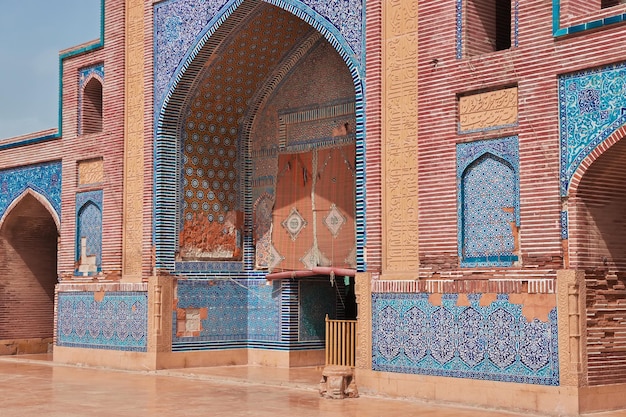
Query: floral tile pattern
237, 311
592, 105
488, 174
45, 179
118, 322
179, 24
494, 342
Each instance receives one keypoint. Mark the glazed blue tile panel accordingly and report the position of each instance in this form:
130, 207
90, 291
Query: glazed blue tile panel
263, 310
317, 298
346, 16
45, 179
495, 342
488, 187
86, 73
592, 105
179, 25
118, 322
89, 217
227, 304
488, 201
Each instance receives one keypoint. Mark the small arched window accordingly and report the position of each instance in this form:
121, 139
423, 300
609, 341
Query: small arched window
89, 233
92, 107
488, 202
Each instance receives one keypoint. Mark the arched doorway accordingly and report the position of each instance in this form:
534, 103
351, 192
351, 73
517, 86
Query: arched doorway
28, 275
597, 246
265, 89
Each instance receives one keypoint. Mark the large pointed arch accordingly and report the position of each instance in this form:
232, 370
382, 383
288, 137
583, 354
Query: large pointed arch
167, 148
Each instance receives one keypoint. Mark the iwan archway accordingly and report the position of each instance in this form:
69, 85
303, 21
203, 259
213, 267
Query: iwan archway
28, 274
597, 249
258, 167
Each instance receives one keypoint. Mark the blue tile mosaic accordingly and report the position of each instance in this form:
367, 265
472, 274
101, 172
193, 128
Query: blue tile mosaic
592, 105
238, 311
89, 224
564, 225
494, 342
488, 201
180, 24
181, 41
264, 311
177, 26
45, 179
118, 322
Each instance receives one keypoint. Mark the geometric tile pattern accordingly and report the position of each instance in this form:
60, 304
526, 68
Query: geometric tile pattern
263, 311
317, 298
179, 23
45, 179
89, 224
182, 32
592, 105
494, 342
241, 311
118, 322
488, 202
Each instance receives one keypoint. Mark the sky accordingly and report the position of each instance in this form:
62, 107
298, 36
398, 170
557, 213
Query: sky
32, 33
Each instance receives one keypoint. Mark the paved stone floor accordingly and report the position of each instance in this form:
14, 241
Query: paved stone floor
34, 386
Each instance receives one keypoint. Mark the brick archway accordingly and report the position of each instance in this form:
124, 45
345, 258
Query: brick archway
28, 275
597, 197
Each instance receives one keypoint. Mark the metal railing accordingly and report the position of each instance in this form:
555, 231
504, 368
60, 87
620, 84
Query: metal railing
340, 342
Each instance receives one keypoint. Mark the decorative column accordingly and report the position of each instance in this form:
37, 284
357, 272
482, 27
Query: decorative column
363, 292
133, 143
399, 140
571, 295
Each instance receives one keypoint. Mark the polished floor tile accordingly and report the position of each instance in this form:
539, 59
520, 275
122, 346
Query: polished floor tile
35, 386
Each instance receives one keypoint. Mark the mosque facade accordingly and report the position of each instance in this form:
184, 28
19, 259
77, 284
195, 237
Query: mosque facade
228, 173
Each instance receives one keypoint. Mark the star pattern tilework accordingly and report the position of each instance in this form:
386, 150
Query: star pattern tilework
488, 206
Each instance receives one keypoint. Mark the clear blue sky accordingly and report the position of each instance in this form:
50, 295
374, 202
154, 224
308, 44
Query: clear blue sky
32, 32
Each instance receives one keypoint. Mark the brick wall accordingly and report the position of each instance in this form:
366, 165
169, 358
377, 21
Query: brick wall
107, 144
598, 246
534, 68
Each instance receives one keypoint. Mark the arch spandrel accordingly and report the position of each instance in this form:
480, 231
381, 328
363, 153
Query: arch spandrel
180, 26
592, 107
